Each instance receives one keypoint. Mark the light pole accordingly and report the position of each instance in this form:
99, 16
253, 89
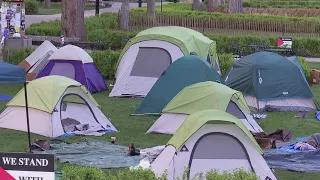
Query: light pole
97, 7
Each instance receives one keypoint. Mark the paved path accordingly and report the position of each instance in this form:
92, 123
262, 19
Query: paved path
308, 59
31, 19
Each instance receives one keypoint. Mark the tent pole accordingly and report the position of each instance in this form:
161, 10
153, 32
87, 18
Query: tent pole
27, 114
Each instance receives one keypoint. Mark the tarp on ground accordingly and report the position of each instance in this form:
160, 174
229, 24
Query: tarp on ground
5, 98
301, 161
94, 153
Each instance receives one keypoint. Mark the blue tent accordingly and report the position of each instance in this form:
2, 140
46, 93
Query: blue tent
15, 74
12, 74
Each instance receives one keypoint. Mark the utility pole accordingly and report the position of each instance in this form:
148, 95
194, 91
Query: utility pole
140, 3
97, 7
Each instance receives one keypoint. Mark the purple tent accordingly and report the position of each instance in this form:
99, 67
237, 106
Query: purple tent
75, 63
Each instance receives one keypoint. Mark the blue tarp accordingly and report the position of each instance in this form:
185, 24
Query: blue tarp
12, 74
5, 98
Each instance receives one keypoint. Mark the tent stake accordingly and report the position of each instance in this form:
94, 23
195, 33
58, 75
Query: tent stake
27, 114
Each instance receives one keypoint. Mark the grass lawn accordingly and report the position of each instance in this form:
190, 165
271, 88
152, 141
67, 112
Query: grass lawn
56, 8
133, 128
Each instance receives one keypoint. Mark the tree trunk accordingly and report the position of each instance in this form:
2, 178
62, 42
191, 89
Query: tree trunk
72, 19
222, 2
47, 4
235, 6
124, 15
210, 5
151, 8
196, 5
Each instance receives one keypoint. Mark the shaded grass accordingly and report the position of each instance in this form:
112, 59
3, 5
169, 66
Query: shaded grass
314, 65
133, 128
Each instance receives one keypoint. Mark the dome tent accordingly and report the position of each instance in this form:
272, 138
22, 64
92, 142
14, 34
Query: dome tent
271, 82
52, 101
211, 139
185, 71
151, 52
202, 96
39, 58
75, 63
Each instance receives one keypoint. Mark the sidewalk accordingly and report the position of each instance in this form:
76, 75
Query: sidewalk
31, 19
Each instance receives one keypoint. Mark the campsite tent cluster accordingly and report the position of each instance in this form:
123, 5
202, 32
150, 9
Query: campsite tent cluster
177, 73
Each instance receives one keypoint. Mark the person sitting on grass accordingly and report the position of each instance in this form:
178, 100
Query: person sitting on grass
312, 143
133, 151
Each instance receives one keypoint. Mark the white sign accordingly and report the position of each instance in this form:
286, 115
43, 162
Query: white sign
27, 166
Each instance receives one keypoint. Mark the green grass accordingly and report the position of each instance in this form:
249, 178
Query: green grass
314, 65
56, 9
133, 128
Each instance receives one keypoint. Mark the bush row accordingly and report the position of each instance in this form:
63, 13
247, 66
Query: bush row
281, 4
107, 60
100, 30
248, 22
85, 173
183, 9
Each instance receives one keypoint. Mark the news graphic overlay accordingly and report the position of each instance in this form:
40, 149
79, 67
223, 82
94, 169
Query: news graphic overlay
26, 166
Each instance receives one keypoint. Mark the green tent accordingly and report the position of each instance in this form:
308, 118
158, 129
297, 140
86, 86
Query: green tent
189, 41
207, 140
195, 121
146, 56
268, 76
183, 72
202, 96
44, 93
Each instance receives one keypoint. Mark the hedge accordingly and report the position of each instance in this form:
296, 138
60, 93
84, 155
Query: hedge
185, 9
282, 3
182, 14
102, 29
106, 60
86, 173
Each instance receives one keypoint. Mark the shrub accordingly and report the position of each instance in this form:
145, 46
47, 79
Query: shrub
85, 173
226, 61
82, 173
15, 56
96, 27
106, 61
32, 6
305, 66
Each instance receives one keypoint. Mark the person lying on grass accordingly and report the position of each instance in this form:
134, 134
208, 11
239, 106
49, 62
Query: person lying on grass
312, 143
133, 151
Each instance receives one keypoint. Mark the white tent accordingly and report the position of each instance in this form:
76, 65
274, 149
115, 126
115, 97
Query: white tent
39, 58
211, 139
57, 106
146, 56
202, 96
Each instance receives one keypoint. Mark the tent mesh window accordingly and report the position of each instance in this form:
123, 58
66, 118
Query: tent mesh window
41, 64
234, 110
151, 62
218, 146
